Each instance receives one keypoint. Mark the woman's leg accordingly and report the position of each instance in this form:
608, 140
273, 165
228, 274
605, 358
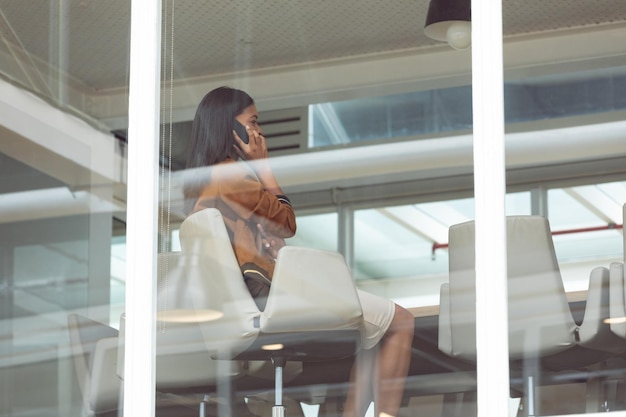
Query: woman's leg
362, 377
385, 367
393, 363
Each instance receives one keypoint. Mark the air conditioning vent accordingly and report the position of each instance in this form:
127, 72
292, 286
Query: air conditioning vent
285, 130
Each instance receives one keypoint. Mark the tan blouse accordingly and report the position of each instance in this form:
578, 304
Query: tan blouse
235, 190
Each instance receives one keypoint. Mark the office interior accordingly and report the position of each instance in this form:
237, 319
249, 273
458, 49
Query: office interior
369, 126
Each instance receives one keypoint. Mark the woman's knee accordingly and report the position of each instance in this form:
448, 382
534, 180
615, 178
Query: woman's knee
403, 320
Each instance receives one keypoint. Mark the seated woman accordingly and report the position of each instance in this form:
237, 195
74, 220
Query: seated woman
258, 217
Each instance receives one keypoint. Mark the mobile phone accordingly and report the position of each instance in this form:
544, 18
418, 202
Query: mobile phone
241, 131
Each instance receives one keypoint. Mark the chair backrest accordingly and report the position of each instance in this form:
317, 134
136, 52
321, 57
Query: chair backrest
204, 277
94, 350
312, 288
617, 303
180, 341
183, 361
540, 320
617, 293
210, 268
312, 291
623, 329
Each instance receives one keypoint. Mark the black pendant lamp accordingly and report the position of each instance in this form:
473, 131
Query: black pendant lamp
450, 21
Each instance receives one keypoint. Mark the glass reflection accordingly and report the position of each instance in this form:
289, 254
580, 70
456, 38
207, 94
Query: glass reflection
449, 110
61, 186
62, 198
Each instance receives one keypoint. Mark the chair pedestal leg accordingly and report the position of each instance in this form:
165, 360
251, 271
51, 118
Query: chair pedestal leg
595, 395
452, 404
530, 396
279, 409
203, 405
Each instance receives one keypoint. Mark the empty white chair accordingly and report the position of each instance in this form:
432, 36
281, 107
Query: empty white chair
618, 300
618, 293
94, 353
541, 326
97, 361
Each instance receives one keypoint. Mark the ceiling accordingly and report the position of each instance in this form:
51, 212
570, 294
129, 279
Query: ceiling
88, 40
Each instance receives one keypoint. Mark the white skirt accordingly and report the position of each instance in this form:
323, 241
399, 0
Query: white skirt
378, 313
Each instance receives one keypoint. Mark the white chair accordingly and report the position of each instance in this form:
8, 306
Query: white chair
618, 300
542, 331
186, 372
611, 385
94, 354
313, 312
618, 293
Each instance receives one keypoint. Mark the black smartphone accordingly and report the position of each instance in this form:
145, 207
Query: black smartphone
241, 131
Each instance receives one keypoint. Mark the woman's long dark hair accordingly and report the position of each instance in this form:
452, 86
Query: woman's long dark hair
211, 139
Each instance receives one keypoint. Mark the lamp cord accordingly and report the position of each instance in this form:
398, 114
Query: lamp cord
166, 171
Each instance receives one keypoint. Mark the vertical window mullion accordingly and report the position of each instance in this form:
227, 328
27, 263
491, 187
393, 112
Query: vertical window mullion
142, 191
489, 193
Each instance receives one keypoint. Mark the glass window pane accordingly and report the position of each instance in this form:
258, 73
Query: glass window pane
378, 164
562, 255
316, 231
585, 236
400, 247
448, 110
336, 88
62, 203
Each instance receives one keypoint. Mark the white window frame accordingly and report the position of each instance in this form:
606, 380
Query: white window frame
143, 151
489, 193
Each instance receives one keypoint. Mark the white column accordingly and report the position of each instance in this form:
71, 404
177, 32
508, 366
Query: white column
489, 192
143, 134
539, 201
345, 234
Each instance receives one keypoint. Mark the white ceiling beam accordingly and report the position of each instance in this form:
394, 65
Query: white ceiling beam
415, 220
332, 123
598, 202
445, 213
54, 202
36, 128
432, 158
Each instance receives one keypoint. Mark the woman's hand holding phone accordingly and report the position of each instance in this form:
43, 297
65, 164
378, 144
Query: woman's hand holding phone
254, 147
240, 130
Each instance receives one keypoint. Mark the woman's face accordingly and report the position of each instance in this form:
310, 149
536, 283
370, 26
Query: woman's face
249, 117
